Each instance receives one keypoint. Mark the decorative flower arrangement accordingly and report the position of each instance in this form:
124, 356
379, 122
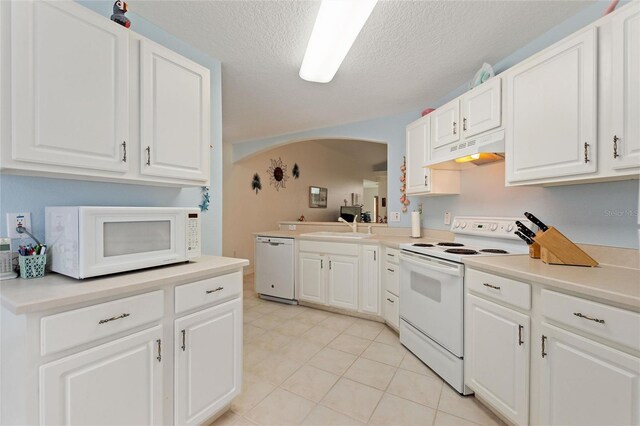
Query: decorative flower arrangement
403, 189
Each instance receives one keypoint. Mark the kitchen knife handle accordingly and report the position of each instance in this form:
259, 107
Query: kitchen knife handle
524, 237
536, 221
526, 231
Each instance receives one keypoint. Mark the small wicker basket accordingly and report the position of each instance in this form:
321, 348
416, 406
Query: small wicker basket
32, 266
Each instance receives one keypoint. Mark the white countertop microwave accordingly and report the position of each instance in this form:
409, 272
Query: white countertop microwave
88, 241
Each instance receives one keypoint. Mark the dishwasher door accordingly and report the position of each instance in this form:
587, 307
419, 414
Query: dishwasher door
274, 272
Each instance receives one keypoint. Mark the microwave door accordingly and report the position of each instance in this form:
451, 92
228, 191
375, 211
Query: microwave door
126, 242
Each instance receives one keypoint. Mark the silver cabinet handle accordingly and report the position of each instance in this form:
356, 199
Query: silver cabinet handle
615, 146
520, 341
321, 264
390, 270
581, 315
374, 255
464, 124
390, 300
148, 155
586, 153
214, 290
496, 287
329, 264
124, 151
455, 130
117, 317
392, 255
184, 339
159, 357
544, 344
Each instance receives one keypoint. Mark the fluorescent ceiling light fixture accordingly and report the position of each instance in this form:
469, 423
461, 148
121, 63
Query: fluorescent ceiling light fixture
337, 25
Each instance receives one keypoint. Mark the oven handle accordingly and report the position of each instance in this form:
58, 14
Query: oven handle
425, 262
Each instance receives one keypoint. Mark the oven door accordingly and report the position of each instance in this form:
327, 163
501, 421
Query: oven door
431, 298
119, 239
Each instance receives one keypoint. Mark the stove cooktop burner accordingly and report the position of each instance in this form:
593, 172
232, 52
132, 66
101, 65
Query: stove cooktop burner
495, 251
451, 244
422, 245
460, 251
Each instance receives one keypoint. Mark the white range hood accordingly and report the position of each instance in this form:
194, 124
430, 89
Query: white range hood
470, 153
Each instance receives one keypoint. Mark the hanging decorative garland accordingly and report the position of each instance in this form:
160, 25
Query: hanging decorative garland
403, 189
204, 206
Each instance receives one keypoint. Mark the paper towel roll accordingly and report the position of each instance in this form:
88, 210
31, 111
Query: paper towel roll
415, 224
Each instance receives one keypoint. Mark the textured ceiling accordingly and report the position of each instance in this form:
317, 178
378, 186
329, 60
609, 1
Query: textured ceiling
408, 54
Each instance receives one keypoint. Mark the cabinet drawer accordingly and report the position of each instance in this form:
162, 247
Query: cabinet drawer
392, 255
206, 292
392, 278
614, 324
73, 328
392, 309
495, 287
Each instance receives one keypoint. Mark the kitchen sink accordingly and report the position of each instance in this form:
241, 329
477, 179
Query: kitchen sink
344, 235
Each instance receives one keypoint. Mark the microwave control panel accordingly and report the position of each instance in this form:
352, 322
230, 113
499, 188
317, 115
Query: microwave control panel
193, 235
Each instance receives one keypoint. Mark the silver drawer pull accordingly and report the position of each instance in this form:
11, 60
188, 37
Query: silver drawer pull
581, 315
214, 290
497, 287
390, 300
390, 270
113, 318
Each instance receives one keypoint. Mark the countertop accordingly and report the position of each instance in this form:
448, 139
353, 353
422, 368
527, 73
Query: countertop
609, 283
392, 241
55, 291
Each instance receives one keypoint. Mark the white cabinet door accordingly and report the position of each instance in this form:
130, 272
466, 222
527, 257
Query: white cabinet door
586, 383
174, 114
312, 282
497, 357
625, 111
343, 282
552, 112
445, 124
118, 383
369, 296
392, 309
208, 361
70, 97
418, 134
482, 108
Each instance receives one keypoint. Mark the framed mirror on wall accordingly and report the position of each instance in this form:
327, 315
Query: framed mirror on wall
317, 197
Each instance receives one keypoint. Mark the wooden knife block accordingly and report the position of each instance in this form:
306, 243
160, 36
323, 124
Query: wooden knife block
556, 249
534, 250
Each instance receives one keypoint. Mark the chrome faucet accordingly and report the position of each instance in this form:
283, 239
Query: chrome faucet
353, 226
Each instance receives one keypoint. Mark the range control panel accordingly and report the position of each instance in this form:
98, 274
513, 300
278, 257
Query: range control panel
498, 227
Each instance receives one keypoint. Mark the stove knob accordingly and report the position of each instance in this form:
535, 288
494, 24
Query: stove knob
456, 224
494, 226
509, 227
463, 225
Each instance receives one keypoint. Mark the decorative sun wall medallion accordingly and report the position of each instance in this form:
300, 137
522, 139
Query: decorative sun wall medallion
277, 174
256, 185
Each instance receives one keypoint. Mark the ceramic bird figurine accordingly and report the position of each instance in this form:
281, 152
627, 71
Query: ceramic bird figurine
119, 9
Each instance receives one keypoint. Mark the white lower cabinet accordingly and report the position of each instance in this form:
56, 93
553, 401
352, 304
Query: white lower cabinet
312, 281
586, 383
370, 282
497, 357
343, 282
392, 310
208, 361
117, 383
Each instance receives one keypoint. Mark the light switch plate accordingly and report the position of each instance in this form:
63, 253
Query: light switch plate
18, 219
447, 218
394, 217
292, 227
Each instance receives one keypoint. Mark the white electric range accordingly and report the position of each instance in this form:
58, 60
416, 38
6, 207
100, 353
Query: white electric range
432, 290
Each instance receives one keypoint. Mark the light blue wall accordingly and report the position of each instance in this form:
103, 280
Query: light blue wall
603, 213
19, 193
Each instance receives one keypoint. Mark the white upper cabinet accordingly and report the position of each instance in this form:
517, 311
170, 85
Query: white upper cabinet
70, 87
118, 383
552, 112
417, 155
174, 114
625, 109
445, 124
482, 108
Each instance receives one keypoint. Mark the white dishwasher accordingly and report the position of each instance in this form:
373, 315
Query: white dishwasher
274, 273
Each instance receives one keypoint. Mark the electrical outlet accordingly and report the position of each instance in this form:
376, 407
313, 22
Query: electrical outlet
15, 220
394, 217
292, 227
447, 218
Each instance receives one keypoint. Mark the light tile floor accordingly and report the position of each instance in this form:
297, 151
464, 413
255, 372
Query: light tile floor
304, 366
